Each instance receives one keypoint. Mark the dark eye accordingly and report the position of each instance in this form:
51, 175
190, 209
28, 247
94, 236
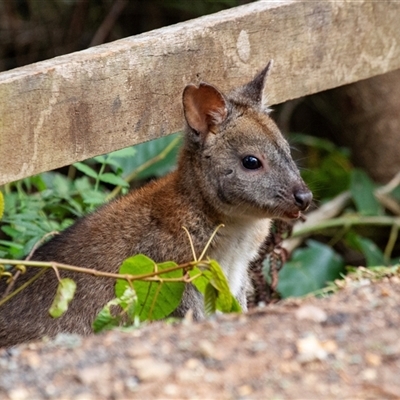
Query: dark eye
251, 162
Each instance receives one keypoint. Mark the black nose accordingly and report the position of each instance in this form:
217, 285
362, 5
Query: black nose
302, 198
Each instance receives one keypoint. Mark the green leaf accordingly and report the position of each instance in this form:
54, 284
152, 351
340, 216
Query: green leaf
128, 152
156, 300
65, 293
362, 190
210, 299
201, 281
93, 197
11, 244
215, 277
219, 281
105, 320
372, 253
328, 167
62, 185
309, 269
147, 151
86, 170
113, 179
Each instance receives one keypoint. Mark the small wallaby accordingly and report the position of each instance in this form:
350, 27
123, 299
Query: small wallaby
235, 169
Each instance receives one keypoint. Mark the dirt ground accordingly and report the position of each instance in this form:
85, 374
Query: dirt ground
346, 346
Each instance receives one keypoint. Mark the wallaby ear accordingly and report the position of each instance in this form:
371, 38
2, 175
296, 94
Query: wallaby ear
255, 90
204, 107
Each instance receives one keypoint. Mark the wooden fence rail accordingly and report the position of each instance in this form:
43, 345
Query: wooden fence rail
76, 106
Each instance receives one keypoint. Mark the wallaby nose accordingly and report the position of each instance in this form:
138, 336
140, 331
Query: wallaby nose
302, 198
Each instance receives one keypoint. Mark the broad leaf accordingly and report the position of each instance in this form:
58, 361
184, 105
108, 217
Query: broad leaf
372, 253
105, 320
65, 293
156, 300
309, 269
214, 276
218, 280
149, 151
210, 299
362, 190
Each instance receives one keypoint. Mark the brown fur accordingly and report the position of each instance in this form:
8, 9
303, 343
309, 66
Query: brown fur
209, 187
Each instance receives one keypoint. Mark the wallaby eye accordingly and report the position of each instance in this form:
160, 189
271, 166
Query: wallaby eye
251, 162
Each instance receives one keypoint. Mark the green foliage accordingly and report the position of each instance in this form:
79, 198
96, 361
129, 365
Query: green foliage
153, 150
362, 191
373, 254
49, 202
310, 269
213, 285
125, 314
156, 300
65, 293
328, 169
141, 299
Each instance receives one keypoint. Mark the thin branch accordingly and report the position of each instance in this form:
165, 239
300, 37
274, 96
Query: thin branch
394, 232
22, 287
191, 242
39, 243
95, 272
210, 240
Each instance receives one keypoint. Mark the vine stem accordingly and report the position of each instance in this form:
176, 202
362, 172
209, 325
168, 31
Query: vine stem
95, 272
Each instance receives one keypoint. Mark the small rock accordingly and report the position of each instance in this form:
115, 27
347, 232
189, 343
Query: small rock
369, 374
372, 359
171, 390
206, 349
19, 394
193, 363
148, 369
311, 313
310, 349
245, 390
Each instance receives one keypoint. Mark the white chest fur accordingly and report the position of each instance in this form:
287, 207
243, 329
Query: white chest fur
236, 246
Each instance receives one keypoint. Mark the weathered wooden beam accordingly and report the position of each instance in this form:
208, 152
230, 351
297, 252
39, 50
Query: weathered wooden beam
91, 102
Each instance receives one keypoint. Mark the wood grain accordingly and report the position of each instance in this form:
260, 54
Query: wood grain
111, 96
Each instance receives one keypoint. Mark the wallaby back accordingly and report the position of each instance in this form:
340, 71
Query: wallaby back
234, 168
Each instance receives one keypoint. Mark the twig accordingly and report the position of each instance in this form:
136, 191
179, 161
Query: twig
95, 272
209, 241
19, 272
39, 242
191, 242
22, 287
394, 232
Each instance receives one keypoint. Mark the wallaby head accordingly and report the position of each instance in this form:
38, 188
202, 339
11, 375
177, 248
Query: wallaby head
244, 166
